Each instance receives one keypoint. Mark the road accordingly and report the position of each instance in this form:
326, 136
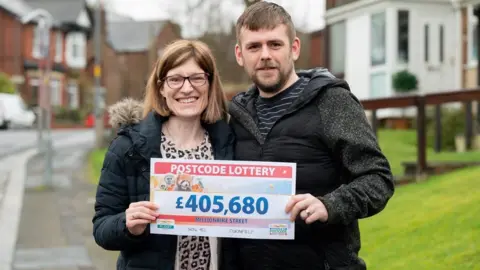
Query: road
13, 141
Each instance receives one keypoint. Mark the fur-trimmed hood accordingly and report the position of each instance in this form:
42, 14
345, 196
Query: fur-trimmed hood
125, 112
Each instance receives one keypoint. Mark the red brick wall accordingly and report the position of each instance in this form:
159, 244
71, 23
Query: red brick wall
10, 40
317, 49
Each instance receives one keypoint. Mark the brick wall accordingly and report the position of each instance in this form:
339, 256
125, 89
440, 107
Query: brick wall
10, 40
317, 49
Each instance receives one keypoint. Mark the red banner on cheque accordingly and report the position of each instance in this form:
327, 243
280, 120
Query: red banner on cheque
243, 170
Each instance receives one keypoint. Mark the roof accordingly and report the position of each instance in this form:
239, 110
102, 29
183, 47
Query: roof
117, 17
16, 7
133, 36
64, 11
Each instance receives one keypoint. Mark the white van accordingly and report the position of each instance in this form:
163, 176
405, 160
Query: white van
14, 112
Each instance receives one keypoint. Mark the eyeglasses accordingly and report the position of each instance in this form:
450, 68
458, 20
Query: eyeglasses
177, 81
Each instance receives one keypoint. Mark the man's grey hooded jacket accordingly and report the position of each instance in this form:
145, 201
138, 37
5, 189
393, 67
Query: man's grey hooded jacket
326, 133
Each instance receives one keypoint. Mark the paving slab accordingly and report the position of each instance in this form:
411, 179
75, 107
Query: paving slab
57, 222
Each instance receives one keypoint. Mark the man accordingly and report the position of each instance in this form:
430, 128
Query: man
310, 118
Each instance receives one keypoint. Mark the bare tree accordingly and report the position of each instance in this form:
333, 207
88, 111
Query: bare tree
215, 26
250, 2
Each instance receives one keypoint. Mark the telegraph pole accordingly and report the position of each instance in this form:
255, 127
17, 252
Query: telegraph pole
99, 91
44, 24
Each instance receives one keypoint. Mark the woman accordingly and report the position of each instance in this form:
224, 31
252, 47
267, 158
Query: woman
184, 116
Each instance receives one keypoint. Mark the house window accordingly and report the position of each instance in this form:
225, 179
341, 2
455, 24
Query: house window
34, 91
76, 46
378, 85
58, 47
75, 49
474, 43
403, 31
472, 35
441, 35
426, 42
378, 39
337, 43
55, 92
37, 42
73, 97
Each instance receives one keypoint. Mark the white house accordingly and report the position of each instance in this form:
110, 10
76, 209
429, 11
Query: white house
369, 40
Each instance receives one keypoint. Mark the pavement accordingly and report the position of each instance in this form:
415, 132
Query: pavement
49, 226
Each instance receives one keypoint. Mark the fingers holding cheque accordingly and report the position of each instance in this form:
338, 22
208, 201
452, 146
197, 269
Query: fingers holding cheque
139, 215
308, 207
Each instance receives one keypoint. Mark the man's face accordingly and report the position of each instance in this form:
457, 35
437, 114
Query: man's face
267, 56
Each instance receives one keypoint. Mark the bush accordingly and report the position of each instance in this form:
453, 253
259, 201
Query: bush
404, 82
453, 124
69, 115
6, 85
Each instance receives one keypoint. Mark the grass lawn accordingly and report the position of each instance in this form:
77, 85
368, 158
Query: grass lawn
95, 163
429, 225
401, 145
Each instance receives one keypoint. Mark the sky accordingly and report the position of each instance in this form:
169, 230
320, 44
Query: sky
307, 14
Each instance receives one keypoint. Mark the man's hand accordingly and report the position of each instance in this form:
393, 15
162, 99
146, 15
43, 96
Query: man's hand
310, 208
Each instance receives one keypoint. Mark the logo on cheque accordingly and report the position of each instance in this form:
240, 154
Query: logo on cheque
278, 229
165, 224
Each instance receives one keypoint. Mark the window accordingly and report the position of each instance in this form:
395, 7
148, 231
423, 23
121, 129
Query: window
75, 49
76, 45
402, 36
55, 92
472, 35
441, 49
58, 47
337, 43
37, 42
474, 43
34, 90
73, 98
378, 39
378, 85
426, 42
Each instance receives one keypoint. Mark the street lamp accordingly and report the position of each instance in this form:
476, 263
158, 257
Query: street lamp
44, 20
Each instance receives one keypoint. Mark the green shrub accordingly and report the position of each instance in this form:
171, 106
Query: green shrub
69, 115
404, 81
453, 124
6, 85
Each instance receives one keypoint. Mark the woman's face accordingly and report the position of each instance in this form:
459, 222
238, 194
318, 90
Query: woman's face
185, 89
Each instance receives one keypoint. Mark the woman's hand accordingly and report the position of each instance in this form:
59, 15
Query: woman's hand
139, 215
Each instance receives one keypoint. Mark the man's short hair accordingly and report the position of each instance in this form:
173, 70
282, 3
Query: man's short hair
265, 15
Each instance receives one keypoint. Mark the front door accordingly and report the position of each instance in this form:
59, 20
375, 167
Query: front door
436, 76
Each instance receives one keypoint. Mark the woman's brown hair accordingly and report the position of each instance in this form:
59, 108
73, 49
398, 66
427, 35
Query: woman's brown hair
174, 55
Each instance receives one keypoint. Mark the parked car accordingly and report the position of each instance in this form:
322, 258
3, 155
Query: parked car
14, 112
2, 115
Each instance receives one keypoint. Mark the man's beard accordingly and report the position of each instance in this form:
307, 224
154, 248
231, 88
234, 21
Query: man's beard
274, 86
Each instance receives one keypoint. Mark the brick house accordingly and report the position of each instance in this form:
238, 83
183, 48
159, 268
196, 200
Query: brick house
20, 50
137, 45
127, 43
317, 48
10, 53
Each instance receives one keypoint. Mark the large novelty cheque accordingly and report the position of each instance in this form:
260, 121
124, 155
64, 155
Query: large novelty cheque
238, 199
